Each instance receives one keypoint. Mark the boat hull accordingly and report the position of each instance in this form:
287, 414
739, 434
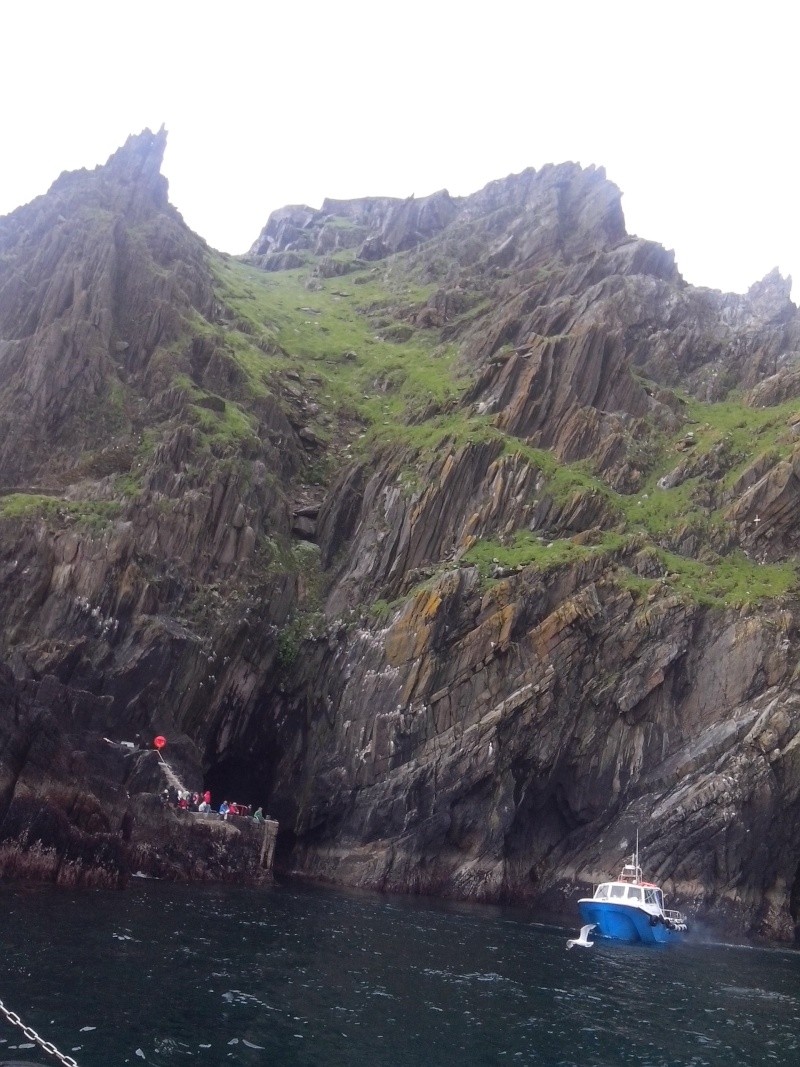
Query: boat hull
620, 922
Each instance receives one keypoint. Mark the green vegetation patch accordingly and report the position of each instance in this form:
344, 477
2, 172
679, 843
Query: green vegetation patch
223, 424
662, 511
526, 550
745, 432
730, 581
94, 515
28, 505
455, 428
226, 430
344, 334
564, 480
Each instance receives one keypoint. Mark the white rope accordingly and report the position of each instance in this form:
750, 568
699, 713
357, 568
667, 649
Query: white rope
171, 776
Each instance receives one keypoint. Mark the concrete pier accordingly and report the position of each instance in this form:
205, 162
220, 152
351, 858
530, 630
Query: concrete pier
192, 847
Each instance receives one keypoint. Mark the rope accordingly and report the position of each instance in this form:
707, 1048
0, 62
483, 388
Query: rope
31, 1035
171, 776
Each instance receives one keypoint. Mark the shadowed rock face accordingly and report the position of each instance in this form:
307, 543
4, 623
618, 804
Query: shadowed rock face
460, 668
77, 810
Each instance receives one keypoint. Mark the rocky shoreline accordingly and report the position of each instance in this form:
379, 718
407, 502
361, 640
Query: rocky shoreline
78, 811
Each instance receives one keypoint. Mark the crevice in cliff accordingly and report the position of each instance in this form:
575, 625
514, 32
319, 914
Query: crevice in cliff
17, 765
543, 819
794, 905
285, 844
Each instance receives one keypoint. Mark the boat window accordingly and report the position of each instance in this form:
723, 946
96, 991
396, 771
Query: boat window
634, 892
617, 892
659, 898
601, 892
650, 896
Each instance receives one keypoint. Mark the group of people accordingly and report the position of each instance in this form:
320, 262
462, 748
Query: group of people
228, 808
183, 800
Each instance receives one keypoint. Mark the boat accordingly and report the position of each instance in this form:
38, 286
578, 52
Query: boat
632, 910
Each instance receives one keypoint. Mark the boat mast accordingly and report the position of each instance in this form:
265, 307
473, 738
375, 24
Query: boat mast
636, 862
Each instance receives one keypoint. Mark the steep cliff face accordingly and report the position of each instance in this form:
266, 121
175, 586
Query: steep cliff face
504, 745
457, 531
376, 226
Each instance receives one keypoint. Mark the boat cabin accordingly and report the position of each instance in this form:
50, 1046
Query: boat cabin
623, 892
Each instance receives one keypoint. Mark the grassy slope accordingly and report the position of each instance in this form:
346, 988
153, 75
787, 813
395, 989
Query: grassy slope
339, 334
335, 339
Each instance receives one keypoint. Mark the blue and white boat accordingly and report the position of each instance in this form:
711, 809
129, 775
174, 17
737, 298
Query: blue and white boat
632, 910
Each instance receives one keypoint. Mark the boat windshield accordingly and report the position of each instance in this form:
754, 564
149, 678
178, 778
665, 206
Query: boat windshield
601, 893
617, 892
634, 893
651, 896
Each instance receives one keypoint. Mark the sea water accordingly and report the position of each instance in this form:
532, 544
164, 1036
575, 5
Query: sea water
168, 975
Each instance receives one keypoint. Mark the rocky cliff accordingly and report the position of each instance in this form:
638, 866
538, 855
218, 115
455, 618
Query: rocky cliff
456, 531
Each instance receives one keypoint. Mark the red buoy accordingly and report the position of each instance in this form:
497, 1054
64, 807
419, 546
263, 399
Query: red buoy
159, 741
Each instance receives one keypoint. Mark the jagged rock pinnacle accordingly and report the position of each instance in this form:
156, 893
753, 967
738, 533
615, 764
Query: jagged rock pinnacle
771, 297
130, 181
137, 165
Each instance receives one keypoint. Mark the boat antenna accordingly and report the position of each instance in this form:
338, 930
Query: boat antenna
636, 864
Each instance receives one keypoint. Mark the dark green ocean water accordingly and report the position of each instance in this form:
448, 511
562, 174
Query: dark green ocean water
169, 975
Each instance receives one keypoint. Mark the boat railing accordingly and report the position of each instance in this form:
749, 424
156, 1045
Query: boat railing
670, 913
676, 920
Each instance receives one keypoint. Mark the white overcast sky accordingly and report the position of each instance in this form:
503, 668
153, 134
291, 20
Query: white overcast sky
692, 107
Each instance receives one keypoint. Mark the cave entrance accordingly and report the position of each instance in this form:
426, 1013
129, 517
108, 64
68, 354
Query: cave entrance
250, 781
240, 779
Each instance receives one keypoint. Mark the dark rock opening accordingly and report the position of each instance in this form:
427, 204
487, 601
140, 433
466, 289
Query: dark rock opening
284, 846
240, 779
542, 821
